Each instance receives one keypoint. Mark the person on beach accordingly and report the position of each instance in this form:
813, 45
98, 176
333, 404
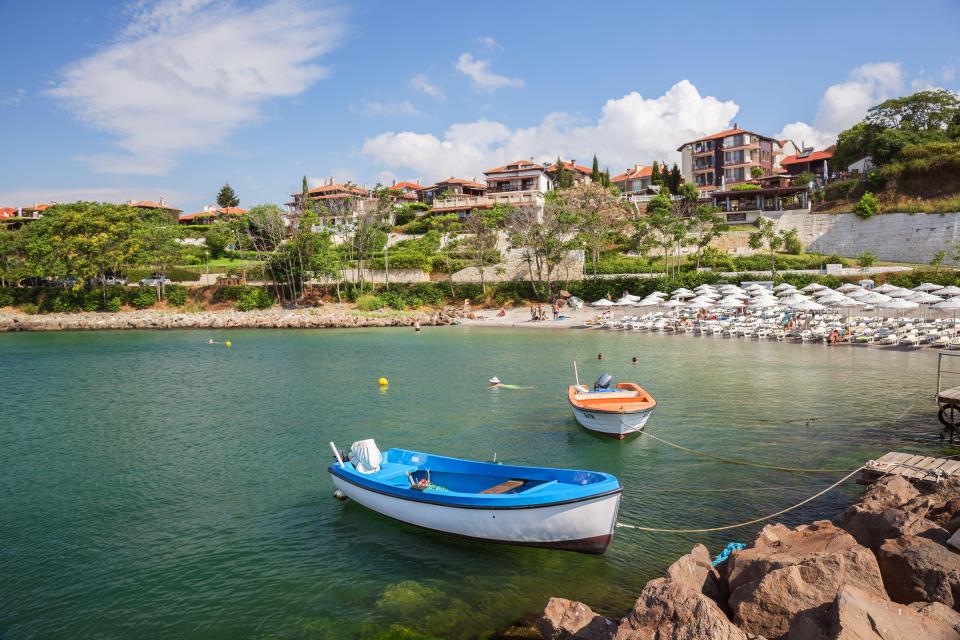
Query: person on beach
502, 313
416, 325
556, 310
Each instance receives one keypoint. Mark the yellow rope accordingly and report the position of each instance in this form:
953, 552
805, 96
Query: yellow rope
749, 522
744, 463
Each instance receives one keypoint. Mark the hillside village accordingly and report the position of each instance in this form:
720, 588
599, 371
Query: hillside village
736, 201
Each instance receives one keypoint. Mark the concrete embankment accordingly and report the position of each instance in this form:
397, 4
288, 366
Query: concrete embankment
886, 569
266, 319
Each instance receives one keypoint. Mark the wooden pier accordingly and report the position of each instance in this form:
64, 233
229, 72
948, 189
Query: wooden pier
918, 469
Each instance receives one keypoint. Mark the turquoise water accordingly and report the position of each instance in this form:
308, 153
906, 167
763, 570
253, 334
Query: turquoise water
154, 485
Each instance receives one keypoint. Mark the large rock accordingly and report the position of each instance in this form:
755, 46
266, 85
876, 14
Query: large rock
790, 571
891, 508
667, 609
939, 612
916, 569
564, 619
695, 570
857, 615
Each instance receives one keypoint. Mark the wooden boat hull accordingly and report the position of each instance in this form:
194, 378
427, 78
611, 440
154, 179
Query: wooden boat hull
585, 525
615, 424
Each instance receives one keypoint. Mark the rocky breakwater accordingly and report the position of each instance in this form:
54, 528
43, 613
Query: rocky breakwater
267, 319
888, 568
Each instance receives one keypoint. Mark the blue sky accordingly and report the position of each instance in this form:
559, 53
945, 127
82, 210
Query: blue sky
109, 100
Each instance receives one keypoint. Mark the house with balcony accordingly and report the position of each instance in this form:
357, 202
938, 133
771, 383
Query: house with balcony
451, 187
580, 173
634, 181
519, 176
161, 206
816, 162
728, 158
405, 191
337, 203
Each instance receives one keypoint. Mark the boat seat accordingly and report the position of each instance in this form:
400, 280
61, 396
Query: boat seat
503, 487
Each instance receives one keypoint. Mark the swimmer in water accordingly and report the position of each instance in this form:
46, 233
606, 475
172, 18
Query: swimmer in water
634, 361
210, 341
495, 382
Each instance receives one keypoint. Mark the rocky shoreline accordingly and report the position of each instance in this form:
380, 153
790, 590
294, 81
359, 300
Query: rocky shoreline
888, 568
312, 318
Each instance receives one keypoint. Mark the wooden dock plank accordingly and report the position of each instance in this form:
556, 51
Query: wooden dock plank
952, 394
916, 468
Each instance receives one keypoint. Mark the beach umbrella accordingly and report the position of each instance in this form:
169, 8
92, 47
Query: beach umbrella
884, 288
657, 294
602, 302
927, 286
783, 286
680, 290
847, 302
700, 304
807, 305
673, 303
629, 299
813, 286
921, 297
847, 287
648, 302
948, 291
763, 303
899, 304
824, 292
872, 297
756, 287
794, 298
682, 295
952, 305
900, 293
788, 292
831, 297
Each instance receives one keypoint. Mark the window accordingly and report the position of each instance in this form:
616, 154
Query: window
704, 163
704, 179
735, 175
733, 157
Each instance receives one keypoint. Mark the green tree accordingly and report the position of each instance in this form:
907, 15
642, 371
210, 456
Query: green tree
706, 223
595, 173
937, 260
11, 254
562, 177
655, 177
868, 206
482, 243
159, 248
600, 216
545, 238
866, 259
217, 238
84, 239
227, 197
756, 172
766, 238
675, 178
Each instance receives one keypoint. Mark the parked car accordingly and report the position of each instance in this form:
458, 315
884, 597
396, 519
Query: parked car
109, 281
34, 282
67, 282
155, 280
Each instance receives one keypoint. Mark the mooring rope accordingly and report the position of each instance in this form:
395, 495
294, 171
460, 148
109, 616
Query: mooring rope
743, 463
747, 523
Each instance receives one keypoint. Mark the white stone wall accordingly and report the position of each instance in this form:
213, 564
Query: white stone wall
515, 267
897, 237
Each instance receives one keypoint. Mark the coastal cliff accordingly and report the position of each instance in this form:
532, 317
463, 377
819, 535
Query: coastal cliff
887, 569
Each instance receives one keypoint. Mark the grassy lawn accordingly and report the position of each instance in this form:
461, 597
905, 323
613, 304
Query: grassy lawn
221, 263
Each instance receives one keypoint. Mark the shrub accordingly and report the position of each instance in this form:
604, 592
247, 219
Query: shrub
839, 190
114, 304
176, 294
745, 187
144, 297
254, 298
868, 206
866, 259
30, 309
791, 243
369, 302
875, 180
6, 298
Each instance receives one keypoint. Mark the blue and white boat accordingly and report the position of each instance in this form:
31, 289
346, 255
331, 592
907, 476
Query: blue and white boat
530, 506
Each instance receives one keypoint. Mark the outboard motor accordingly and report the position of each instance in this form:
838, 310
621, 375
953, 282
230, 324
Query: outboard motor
603, 383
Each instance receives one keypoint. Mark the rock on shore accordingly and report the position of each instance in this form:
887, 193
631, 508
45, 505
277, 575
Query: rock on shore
883, 572
311, 318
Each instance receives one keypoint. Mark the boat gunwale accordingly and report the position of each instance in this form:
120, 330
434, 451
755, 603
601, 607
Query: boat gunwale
376, 488
649, 405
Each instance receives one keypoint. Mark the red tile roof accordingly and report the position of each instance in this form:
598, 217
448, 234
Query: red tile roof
150, 204
407, 185
8, 212
637, 171
572, 167
350, 189
464, 182
516, 165
724, 134
225, 211
813, 157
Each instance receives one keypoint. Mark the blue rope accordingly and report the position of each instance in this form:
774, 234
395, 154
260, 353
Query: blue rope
729, 549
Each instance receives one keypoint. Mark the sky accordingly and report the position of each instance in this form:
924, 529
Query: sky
146, 99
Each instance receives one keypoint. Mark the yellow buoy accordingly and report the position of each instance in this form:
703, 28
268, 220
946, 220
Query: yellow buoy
228, 343
383, 382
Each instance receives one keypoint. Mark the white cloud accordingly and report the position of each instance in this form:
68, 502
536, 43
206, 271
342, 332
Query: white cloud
421, 83
489, 42
630, 129
186, 73
479, 73
26, 196
377, 108
13, 98
846, 103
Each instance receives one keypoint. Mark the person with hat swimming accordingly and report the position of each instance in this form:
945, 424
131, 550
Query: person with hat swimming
496, 384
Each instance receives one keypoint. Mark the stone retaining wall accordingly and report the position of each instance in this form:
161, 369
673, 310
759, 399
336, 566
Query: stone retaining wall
897, 237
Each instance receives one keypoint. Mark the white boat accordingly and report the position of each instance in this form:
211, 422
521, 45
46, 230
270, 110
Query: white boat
529, 506
616, 412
